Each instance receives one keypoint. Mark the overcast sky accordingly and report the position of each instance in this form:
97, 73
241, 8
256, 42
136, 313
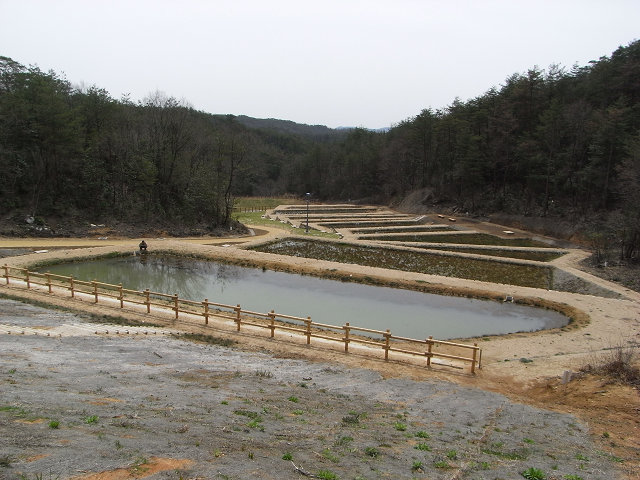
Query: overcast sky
332, 62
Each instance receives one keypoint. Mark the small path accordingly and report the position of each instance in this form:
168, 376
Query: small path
570, 263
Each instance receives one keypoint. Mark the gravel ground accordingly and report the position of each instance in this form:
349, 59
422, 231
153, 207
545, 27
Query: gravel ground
161, 407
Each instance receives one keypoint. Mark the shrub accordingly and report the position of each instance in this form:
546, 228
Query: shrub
326, 475
617, 363
533, 474
401, 427
372, 452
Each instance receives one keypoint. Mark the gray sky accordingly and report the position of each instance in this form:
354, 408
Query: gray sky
332, 62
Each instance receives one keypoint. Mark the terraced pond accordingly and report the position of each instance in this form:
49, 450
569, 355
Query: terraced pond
367, 223
466, 238
417, 228
449, 266
537, 256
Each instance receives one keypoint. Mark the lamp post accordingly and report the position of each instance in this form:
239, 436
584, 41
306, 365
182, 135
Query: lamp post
308, 196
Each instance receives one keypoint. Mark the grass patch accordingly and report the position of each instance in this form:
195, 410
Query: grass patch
372, 452
517, 254
113, 320
401, 427
329, 455
466, 239
351, 419
256, 219
514, 455
21, 412
209, 339
368, 223
417, 228
248, 414
534, 474
327, 475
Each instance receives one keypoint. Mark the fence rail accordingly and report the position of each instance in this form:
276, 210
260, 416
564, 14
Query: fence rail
252, 208
346, 334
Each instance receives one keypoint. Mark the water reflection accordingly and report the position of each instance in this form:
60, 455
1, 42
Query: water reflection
405, 312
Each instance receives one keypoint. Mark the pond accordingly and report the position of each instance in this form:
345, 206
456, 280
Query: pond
406, 313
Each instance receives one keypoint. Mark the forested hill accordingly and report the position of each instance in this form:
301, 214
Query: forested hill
555, 143
315, 132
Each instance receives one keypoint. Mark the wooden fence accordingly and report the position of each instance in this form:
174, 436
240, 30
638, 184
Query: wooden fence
254, 208
346, 334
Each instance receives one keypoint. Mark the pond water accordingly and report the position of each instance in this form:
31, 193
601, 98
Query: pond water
404, 312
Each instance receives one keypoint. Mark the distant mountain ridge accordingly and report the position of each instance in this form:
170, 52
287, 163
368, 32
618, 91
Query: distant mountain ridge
288, 126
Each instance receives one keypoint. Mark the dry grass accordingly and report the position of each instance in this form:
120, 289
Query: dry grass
619, 364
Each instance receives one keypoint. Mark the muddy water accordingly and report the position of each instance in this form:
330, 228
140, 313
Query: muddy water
404, 312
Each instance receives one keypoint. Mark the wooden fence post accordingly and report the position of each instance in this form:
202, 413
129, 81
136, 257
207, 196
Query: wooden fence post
95, 290
48, 275
429, 353
272, 323
206, 311
473, 360
121, 295
238, 320
147, 300
71, 287
308, 323
6, 273
26, 275
387, 338
346, 337
175, 303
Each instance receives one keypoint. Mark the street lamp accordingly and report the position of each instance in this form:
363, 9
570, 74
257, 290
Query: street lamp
308, 196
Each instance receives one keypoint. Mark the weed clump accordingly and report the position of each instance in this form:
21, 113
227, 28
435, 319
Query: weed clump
618, 363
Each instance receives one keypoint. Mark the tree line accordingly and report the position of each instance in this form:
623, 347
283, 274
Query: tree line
547, 143
552, 142
67, 151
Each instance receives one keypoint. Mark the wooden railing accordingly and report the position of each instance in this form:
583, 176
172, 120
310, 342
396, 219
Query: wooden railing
346, 334
252, 208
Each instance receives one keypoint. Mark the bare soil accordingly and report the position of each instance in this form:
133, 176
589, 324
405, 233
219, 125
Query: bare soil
155, 406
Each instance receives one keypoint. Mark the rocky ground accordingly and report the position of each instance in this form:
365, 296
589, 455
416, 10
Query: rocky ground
85, 406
